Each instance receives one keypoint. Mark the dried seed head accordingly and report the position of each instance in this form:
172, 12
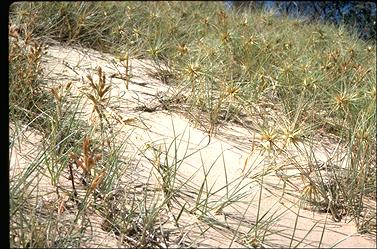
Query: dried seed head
72, 156
85, 145
90, 78
225, 37
291, 135
206, 20
343, 100
97, 180
68, 86
268, 135
232, 90
222, 16
56, 94
193, 70
182, 49
97, 157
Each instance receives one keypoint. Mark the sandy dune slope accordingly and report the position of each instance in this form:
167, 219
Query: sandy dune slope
223, 159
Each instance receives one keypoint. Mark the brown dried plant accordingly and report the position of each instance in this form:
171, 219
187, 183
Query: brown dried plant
99, 98
58, 93
88, 159
100, 89
97, 180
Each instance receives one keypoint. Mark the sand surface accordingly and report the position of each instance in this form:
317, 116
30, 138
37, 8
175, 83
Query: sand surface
186, 144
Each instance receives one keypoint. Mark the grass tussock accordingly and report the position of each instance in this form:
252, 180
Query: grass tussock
288, 80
